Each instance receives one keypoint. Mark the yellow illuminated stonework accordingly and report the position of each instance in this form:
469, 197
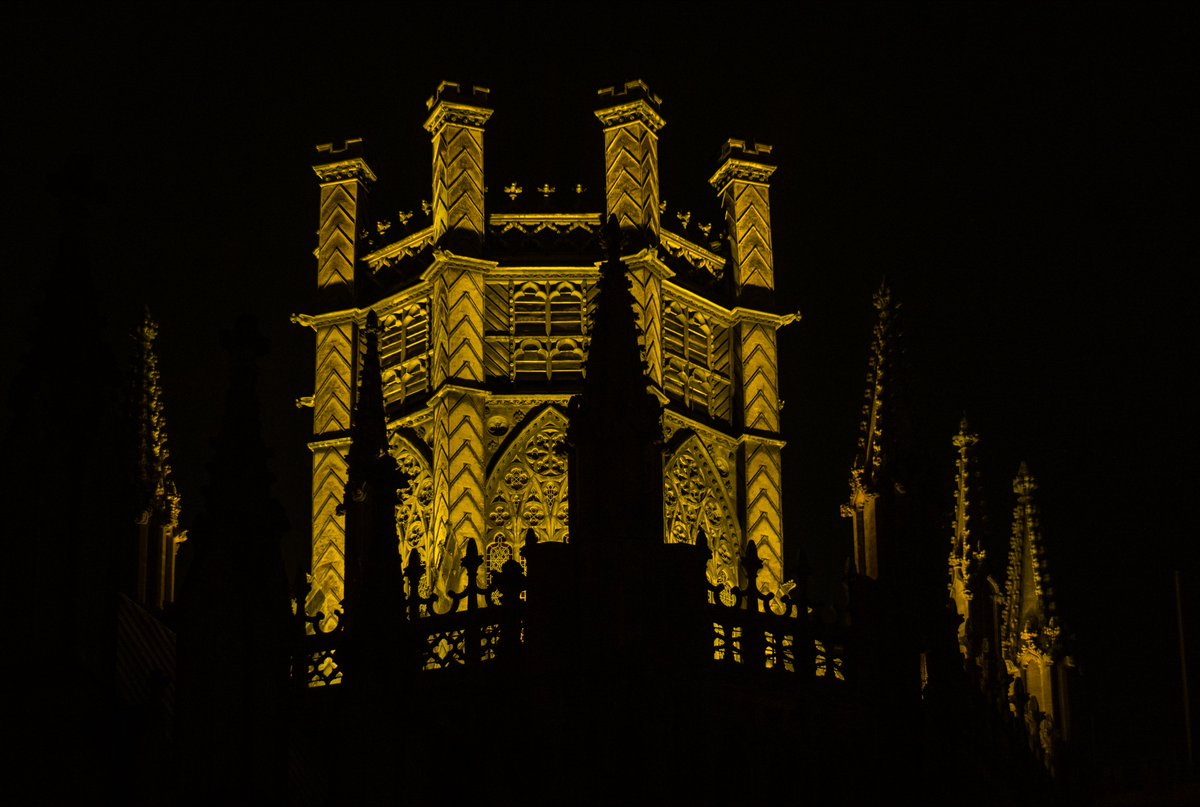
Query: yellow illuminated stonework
866, 481
965, 552
485, 327
158, 532
1030, 632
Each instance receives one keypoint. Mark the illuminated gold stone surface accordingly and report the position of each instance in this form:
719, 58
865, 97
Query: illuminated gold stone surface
741, 182
344, 182
965, 554
456, 122
480, 358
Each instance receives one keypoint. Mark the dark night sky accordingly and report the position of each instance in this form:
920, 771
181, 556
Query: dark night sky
1016, 174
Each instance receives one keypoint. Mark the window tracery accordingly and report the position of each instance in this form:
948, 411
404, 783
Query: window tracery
695, 499
414, 508
527, 490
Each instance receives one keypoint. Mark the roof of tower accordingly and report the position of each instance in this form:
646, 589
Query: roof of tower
1029, 605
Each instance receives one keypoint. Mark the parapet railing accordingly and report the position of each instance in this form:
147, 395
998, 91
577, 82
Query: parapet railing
747, 629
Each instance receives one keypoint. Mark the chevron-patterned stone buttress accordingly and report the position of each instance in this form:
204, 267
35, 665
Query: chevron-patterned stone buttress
646, 280
343, 196
761, 446
456, 122
631, 127
459, 467
741, 182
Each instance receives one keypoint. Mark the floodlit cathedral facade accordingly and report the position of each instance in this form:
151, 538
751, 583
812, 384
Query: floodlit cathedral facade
453, 411
485, 321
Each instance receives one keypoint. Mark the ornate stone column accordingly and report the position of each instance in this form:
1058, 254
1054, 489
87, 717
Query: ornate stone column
741, 184
345, 179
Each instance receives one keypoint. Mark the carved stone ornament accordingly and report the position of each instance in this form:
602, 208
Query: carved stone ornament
356, 168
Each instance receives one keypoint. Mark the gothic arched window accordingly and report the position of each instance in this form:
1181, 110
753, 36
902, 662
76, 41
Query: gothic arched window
414, 505
527, 488
695, 498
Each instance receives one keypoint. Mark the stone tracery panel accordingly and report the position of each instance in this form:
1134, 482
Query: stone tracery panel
695, 498
414, 506
527, 489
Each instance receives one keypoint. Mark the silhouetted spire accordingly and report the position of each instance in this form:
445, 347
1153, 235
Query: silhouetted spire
235, 614
374, 575
615, 421
158, 533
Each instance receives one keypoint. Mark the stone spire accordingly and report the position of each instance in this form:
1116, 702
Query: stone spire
374, 583
869, 468
1028, 597
1032, 646
966, 553
620, 464
158, 533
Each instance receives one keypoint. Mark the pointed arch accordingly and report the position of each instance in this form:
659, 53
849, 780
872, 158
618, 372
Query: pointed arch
527, 489
414, 503
695, 497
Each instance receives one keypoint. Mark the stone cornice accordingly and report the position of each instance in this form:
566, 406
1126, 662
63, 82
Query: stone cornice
698, 301
399, 250
345, 170
450, 387
390, 303
544, 273
411, 419
646, 259
315, 321
446, 112
331, 442
741, 314
704, 429
694, 254
630, 103
536, 221
744, 170
638, 111
444, 259
761, 439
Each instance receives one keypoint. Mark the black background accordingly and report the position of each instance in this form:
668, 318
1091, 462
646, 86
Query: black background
1017, 174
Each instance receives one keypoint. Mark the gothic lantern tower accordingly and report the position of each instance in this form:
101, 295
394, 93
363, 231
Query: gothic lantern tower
485, 309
